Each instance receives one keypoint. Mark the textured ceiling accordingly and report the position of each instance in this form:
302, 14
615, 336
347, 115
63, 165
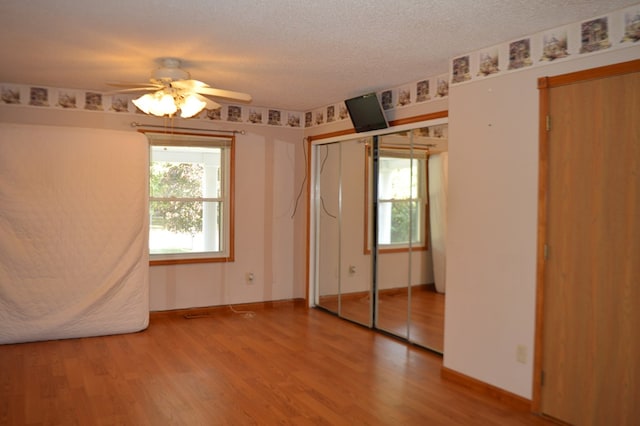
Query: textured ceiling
289, 54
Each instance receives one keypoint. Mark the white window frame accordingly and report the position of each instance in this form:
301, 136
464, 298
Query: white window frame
224, 232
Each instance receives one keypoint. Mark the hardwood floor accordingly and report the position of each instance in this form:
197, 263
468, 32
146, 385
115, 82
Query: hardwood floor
427, 313
285, 365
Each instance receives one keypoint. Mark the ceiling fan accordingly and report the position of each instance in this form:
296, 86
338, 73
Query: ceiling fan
173, 89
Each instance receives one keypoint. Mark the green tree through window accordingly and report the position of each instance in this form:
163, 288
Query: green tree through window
177, 178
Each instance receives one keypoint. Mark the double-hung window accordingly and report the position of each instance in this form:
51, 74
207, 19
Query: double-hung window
402, 200
190, 198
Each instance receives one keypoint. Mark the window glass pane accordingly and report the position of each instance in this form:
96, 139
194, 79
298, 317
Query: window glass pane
186, 172
396, 180
181, 227
396, 220
400, 192
405, 218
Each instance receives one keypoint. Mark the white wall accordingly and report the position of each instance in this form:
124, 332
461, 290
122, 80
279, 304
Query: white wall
270, 243
492, 222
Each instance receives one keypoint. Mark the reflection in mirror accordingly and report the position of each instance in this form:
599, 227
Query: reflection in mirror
327, 204
411, 200
355, 274
402, 235
410, 300
427, 302
343, 270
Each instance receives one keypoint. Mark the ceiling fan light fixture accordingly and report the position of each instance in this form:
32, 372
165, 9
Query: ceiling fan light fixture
144, 103
174, 90
158, 104
165, 106
170, 71
190, 106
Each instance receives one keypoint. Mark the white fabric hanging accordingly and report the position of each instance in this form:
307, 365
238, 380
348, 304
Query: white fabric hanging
438, 182
73, 232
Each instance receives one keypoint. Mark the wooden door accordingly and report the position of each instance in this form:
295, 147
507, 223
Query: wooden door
588, 355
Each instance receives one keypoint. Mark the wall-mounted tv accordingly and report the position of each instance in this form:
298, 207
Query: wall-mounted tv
366, 113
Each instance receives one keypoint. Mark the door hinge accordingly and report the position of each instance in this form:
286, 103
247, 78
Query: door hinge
546, 252
548, 123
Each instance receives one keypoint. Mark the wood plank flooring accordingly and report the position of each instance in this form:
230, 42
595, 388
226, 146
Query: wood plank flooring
285, 365
427, 313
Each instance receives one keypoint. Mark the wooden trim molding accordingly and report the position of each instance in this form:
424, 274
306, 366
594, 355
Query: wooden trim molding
392, 123
308, 225
232, 173
543, 172
208, 310
591, 74
332, 134
512, 400
190, 260
419, 118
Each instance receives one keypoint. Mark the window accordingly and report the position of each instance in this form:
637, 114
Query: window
402, 200
190, 198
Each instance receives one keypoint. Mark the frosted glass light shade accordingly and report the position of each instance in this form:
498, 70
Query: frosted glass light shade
159, 104
164, 106
191, 106
144, 103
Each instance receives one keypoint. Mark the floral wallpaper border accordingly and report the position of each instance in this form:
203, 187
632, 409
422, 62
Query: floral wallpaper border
425, 90
73, 99
615, 30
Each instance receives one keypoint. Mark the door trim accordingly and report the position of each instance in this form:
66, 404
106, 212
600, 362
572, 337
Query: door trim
544, 84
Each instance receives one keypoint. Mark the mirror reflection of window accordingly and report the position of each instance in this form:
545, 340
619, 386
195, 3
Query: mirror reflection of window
401, 200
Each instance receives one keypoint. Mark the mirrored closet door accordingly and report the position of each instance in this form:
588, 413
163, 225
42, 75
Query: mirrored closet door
379, 232
343, 272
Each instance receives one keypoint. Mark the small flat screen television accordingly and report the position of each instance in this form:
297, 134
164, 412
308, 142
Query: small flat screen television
366, 113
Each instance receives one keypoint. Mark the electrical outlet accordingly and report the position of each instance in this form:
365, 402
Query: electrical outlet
521, 354
250, 277
352, 269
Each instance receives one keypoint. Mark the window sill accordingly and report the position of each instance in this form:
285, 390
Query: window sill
158, 262
398, 250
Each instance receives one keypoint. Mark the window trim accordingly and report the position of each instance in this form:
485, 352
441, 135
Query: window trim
389, 248
198, 139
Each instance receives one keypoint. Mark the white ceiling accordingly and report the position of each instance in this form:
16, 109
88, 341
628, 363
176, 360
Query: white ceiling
289, 54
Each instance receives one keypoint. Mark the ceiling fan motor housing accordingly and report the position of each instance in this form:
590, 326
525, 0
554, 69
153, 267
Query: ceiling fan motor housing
170, 71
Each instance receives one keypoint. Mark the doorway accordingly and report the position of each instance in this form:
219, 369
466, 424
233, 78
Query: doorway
587, 346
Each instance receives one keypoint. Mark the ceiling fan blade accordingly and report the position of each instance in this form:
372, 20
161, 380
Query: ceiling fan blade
220, 93
210, 104
188, 84
133, 89
138, 86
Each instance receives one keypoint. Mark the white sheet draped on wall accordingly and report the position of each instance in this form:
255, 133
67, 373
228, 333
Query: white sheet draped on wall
73, 232
438, 182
